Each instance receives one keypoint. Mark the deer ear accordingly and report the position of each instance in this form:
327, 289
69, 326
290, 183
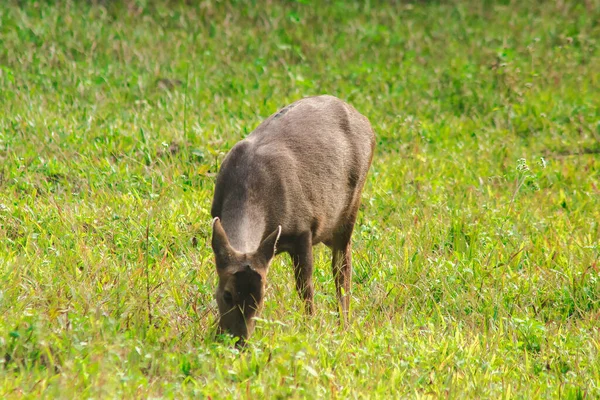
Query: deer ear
220, 245
268, 247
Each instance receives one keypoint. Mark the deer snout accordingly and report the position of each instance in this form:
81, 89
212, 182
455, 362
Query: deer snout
235, 324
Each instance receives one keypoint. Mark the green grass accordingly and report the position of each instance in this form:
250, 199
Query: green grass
476, 252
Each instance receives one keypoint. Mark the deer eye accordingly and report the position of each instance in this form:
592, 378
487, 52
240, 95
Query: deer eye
228, 297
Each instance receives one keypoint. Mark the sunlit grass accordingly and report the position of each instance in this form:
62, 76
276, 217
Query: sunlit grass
476, 252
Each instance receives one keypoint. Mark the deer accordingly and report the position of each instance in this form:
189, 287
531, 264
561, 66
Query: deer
294, 182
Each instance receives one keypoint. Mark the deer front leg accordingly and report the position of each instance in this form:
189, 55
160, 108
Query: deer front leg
302, 258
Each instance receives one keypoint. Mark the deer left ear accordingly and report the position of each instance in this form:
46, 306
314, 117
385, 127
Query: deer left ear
224, 253
268, 247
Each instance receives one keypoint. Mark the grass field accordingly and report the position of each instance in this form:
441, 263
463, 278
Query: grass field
476, 252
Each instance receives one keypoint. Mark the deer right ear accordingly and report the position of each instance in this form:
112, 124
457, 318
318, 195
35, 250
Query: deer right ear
220, 245
268, 247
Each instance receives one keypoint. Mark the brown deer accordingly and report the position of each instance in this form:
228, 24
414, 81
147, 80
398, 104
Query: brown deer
294, 182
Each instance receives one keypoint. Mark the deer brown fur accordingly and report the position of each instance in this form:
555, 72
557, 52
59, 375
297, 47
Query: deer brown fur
294, 182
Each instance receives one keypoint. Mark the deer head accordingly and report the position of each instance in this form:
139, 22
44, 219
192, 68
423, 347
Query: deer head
242, 280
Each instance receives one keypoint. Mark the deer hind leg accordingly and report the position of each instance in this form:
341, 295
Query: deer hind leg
302, 258
341, 248
342, 274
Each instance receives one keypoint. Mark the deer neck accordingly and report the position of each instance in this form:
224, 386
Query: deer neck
244, 225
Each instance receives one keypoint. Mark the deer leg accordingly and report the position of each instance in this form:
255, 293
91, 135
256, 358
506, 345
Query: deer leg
341, 262
302, 258
342, 274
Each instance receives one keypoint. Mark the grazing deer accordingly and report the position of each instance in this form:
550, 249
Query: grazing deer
294, 182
